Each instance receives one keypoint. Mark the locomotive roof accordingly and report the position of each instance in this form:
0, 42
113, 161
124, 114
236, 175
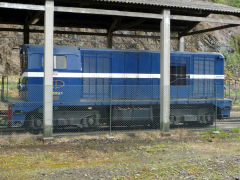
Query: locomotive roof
32, 49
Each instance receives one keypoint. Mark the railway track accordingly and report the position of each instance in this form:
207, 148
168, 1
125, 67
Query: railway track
10, 131
232, 119
232, 122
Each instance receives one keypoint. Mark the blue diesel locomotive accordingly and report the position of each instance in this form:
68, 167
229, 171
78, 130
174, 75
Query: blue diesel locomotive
89, 83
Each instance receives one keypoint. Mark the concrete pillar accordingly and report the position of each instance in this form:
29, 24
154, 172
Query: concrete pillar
165, 72
48, 69
181, 44
26, 33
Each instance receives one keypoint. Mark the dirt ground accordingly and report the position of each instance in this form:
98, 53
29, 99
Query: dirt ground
139, 155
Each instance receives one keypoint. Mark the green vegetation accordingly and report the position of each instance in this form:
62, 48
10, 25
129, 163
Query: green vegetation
142, 156
11, 85
216, 133
232, 69
232, 72
233, 63
235, 130
235, 3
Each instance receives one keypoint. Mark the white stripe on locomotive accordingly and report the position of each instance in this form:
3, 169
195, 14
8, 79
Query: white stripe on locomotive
118, 75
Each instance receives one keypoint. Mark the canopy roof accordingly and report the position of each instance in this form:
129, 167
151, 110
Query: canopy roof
62, 19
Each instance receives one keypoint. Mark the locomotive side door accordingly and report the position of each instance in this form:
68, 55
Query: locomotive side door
23, 82
204, 67
178, 76
97, 73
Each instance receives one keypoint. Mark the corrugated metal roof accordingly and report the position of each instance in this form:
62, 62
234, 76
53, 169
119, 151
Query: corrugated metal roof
187, 4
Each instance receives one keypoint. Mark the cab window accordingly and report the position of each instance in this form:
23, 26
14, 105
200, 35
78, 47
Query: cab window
24, 60
178, 75
60, 62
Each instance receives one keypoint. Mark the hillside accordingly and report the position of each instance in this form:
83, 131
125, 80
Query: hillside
235, 3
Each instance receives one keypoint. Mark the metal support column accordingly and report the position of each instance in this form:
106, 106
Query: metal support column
48, 69
2, 90
26, 33
181, 44
165, 72
109, 40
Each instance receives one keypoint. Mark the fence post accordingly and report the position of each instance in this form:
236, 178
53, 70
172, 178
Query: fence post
2, 90
235, 91
216, 110
229, 93
110, 114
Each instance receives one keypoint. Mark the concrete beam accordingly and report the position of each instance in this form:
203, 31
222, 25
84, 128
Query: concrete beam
104, 12
165, 72
143, 15
208, 30
48, 69
107, 12
141, 36
109, 40
114, 24
30, 19
131, 24
204, 19
32, 7
35, 18
110, 32
87, 33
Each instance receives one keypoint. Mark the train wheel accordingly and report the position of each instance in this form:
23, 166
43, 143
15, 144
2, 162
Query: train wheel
213, 119
37, 124
209, 119
84, 123
93, 121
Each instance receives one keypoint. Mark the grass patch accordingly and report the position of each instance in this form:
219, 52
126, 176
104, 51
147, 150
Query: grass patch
156, 148
142, 156
235, 130
215, 133
16, 140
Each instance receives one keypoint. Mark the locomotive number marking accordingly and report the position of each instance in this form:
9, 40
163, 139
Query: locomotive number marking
57, 93
57, 85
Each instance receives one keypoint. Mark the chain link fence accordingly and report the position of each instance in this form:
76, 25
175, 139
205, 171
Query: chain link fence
232, 91
103, 107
